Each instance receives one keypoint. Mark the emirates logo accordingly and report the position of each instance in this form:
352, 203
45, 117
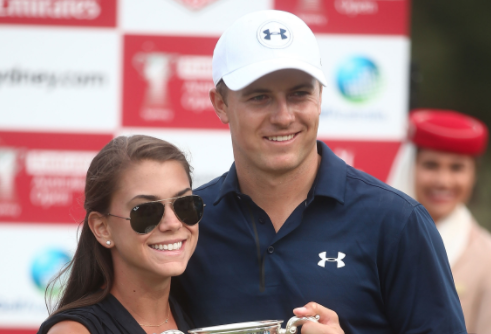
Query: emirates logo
195, 4
51, 9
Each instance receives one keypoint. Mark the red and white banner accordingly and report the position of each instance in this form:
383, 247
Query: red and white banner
42, 175
166, 82
373, 157
360, 17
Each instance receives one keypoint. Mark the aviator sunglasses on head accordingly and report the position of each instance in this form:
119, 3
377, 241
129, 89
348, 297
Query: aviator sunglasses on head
146, 216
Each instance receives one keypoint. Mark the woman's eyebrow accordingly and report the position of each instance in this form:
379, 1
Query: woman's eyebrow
182, 192
147, 197
156, 198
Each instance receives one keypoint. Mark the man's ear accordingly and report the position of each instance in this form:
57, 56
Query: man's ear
99, 227
219, 105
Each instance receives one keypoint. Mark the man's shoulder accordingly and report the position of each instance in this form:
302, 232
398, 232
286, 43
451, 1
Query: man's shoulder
376, 198
363, 184
211, 188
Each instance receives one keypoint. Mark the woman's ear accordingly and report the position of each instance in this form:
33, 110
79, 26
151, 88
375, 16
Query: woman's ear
99, 227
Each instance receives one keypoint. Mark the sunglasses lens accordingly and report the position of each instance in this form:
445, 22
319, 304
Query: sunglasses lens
189, 209
146, 216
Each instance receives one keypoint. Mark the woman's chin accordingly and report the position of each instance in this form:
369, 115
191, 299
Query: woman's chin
439, 212
171, 269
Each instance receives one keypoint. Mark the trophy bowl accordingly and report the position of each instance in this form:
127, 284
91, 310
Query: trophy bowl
256, 327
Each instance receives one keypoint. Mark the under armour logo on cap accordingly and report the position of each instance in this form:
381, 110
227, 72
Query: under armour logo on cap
322, 262
269, 33
248, 49
274, 35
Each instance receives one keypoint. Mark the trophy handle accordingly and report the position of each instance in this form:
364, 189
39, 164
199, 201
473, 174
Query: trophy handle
291, 326
139, 64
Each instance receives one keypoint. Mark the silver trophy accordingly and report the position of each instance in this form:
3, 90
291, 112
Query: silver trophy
252, 327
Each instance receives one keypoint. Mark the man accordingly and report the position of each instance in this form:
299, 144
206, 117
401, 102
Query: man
290, 222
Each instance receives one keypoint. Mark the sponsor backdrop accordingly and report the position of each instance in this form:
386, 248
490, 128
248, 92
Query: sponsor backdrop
76, 73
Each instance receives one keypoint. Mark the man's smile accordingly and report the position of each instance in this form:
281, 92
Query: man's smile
281, 138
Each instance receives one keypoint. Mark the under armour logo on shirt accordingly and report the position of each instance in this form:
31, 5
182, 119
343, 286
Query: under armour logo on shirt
282, 33
322, 262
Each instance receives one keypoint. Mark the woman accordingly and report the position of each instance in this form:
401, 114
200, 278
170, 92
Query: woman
448, 144
140, 229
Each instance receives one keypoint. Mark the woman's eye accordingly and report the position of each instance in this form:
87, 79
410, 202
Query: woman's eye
431, 165
457, 167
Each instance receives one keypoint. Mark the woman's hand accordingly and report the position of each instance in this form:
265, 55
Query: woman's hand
328, 321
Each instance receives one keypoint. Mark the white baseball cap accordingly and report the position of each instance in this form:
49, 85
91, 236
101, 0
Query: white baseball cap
263, 42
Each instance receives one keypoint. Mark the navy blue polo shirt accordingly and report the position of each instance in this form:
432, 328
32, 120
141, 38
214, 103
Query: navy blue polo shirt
355, 245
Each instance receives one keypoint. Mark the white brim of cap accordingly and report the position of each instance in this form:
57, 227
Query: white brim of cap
246, 75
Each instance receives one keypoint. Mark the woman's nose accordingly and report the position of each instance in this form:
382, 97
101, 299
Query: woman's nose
169, 220
444, 178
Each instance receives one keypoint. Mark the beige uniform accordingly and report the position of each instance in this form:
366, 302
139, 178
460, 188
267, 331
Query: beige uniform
469, 250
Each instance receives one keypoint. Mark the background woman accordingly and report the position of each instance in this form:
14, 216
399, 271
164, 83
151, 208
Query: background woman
447, 144
139, 230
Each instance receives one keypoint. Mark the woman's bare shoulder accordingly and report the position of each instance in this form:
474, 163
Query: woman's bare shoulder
68, 327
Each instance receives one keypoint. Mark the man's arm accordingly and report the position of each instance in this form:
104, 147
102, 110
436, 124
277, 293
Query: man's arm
416, 281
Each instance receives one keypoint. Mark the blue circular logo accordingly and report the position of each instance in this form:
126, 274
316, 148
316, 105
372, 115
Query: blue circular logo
358, 79
46, 265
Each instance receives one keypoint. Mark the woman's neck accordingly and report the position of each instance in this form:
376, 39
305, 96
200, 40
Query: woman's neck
145, 298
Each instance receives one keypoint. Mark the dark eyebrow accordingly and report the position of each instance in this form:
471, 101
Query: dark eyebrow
182, 192
304, 85
156, 198
251, 91
255, 91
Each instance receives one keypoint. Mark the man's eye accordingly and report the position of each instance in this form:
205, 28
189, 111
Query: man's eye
258, 98
300, 94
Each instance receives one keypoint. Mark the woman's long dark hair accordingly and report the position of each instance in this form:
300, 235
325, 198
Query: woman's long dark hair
90, 273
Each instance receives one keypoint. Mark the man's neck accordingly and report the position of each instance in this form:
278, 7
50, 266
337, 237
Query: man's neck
279, 194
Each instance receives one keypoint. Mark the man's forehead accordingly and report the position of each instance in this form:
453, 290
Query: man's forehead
283, 79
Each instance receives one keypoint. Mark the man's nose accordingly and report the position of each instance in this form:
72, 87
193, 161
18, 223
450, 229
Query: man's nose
283, 113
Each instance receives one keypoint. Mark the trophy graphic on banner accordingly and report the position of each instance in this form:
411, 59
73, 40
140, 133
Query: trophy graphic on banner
156, 68
8, 169
311, 11
312, 6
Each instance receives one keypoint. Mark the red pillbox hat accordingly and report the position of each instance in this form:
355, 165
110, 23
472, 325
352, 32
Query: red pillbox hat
447, 130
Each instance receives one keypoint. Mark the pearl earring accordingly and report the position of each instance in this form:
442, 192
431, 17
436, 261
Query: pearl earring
108, 243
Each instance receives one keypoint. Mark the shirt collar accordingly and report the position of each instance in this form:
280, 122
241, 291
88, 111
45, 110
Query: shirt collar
331, 176
330, 180
229, 185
